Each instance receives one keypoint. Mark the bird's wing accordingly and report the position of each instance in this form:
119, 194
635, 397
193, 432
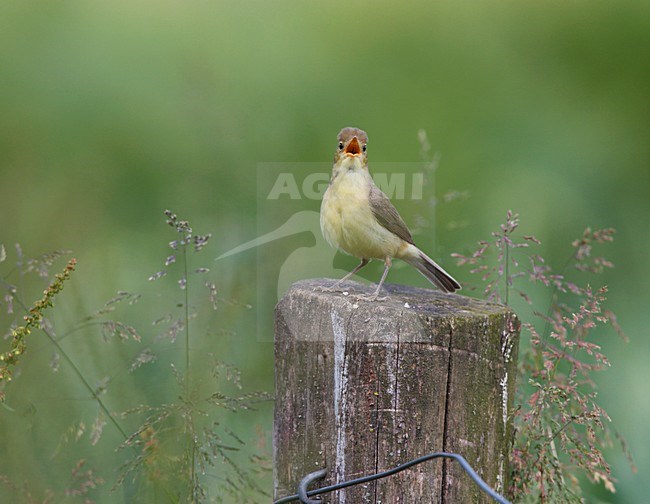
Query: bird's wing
387, 215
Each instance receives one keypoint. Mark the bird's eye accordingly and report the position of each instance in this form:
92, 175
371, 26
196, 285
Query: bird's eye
340, 145
364, 148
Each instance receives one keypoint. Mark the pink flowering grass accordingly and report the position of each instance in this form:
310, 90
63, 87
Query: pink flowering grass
561, 430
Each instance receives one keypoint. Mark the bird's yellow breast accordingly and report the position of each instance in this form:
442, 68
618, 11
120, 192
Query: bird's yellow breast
347, 220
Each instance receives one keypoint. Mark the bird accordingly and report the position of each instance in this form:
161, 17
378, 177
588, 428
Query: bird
356, 217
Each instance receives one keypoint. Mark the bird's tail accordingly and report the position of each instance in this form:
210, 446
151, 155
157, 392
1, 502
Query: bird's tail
431, 270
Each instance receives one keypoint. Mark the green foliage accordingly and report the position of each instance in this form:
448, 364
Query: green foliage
561, 429
182, 448
32, 320
177, 443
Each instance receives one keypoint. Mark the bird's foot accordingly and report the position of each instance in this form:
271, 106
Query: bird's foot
334, 288
369, 297
323, 288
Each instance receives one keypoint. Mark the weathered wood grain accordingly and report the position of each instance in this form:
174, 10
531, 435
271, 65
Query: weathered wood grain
363, 386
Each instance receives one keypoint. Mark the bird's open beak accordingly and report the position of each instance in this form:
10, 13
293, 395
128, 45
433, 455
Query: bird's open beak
353, 148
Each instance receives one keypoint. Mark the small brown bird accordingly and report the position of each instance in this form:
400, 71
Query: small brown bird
359, 219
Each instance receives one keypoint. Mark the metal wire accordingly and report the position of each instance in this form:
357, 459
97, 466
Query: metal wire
304, 483
303, 494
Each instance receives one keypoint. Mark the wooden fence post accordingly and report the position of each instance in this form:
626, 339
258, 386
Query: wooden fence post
361, 387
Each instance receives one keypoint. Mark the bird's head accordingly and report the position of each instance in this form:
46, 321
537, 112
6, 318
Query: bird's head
351, 144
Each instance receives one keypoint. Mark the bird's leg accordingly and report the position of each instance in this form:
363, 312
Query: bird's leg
354, 271
387, 264
374, 296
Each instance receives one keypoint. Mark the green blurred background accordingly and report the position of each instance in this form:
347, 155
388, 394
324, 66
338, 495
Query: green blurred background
112, 112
